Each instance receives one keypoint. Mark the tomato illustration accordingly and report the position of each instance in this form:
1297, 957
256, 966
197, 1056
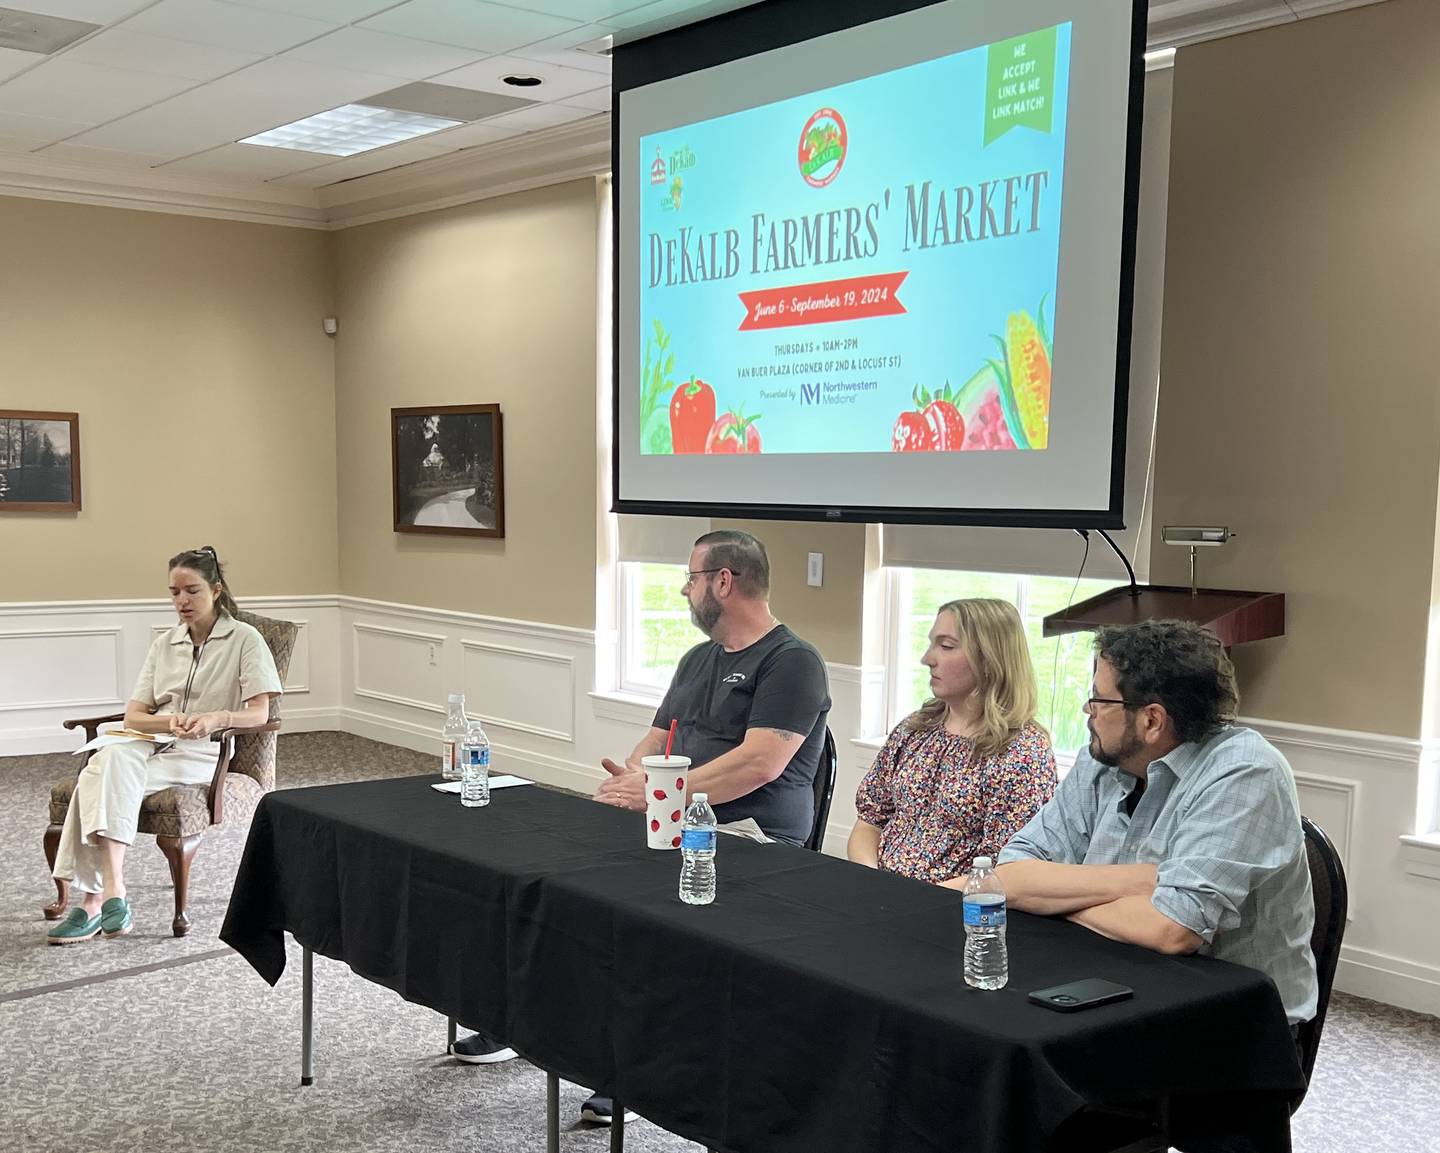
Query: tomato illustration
734, 432
934, 425
692, 412
910, 434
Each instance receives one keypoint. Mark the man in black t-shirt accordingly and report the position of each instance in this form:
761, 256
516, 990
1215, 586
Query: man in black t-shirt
750, 703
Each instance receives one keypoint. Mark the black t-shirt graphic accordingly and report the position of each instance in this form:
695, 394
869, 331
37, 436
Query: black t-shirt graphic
778, 682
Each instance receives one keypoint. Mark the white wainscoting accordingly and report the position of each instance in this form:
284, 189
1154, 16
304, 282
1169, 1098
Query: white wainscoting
62, 660
382, 670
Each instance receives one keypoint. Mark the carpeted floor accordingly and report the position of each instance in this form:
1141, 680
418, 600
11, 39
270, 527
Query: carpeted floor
195, 1052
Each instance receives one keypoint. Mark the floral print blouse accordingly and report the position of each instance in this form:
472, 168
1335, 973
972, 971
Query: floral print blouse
939, 806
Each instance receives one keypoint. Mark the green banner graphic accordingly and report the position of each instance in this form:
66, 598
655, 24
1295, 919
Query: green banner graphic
1020, 84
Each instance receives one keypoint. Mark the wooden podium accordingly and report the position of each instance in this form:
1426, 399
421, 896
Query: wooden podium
1232, 615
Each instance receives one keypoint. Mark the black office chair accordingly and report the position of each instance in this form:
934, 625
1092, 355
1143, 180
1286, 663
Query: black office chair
1332, 900
825, 773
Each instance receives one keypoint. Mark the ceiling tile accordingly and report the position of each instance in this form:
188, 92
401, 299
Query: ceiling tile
673, 13
117, 48
226, 25
13, 61
91, 11
557, 82
469, 24
87, 93
40, 129
332, 11
257, 98
484, 132
380, 160
597, 100
541, 116
98, 157
247, 160
15, 144
586, 10
371, 51
561, 49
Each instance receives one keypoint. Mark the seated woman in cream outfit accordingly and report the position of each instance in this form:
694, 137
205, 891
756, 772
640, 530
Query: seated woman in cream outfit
963, 775
210, 672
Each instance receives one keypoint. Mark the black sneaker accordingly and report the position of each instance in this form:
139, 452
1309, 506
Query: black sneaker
478, 1049
601, 1110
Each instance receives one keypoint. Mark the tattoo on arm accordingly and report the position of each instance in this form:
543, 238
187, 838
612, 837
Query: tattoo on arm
785, 735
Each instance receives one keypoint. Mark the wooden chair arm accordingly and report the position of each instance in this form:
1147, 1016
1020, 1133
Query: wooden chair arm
91, 724
225, 738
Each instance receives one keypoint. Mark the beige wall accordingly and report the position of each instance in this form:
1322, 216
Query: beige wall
184, 344
490, 302
1299, 387
829, 616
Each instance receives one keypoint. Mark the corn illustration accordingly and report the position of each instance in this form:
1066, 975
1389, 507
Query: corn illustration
1024, 374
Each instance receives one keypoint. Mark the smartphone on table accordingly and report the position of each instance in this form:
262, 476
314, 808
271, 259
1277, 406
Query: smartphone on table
1077, 995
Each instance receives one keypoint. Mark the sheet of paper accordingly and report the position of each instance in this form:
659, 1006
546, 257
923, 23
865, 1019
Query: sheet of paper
747, 829
120, 736
498, 781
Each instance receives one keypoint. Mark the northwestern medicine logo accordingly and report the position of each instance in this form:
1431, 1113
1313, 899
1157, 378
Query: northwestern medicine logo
663, 174
823, 144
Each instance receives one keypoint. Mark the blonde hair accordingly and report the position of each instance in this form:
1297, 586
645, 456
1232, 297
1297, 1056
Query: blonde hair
992, 637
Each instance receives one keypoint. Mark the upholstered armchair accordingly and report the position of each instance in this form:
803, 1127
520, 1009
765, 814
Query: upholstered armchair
179, 816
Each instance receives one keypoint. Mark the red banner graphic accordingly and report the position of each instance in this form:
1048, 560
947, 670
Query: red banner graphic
828, 302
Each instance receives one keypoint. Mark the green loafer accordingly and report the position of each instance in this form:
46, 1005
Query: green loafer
78, 925
115, 918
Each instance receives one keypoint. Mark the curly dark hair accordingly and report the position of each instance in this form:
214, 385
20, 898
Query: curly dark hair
1176, 664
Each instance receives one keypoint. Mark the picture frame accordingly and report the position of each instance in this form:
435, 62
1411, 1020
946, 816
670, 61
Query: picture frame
447, 470
39, 461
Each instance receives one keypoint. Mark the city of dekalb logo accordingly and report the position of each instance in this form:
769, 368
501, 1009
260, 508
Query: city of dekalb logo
823, 144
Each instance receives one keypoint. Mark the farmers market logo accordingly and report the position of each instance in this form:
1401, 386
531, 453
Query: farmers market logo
823, 144
668, 174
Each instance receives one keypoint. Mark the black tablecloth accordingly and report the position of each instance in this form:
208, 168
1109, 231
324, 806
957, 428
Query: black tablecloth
815, 1006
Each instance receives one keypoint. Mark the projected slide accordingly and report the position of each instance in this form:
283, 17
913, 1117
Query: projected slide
868, 268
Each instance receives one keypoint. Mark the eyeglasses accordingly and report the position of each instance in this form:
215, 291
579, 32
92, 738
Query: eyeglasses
690, 576
1092, 703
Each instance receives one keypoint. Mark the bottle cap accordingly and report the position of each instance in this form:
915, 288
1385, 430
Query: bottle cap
456, 698
983, 863
700, 797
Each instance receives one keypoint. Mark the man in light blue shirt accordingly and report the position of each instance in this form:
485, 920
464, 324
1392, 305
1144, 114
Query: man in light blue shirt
1176, 829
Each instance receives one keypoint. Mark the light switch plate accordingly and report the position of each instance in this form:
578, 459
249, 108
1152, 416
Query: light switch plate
815, 570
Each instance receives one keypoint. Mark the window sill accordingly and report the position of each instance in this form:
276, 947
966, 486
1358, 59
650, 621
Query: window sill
1421, 854
627, 708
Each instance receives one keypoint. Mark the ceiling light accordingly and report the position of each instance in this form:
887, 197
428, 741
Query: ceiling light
350, 129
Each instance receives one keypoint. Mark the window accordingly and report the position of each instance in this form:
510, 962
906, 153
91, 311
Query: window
1062, 664
655, 627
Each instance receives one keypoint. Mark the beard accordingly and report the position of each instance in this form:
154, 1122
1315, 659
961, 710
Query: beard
706, 614
1129, 745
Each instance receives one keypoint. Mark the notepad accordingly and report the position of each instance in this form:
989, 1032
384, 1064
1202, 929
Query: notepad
121, 736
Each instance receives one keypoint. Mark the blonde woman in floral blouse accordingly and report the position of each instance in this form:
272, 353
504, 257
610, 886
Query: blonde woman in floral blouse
961, 776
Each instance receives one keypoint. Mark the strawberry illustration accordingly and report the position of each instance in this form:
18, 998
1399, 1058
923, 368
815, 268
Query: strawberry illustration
934, 425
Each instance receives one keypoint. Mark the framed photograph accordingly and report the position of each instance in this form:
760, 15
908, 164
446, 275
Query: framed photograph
449, 475
39, 461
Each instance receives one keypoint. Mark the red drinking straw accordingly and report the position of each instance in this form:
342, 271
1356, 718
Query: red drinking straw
670, 740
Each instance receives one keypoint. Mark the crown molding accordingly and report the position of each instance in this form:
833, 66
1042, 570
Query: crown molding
148, 190
553, 156
567, 152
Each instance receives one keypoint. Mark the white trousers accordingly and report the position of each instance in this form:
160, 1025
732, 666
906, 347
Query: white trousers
107, 797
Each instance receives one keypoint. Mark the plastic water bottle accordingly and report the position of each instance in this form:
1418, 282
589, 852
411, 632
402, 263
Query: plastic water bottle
987, 961
697, 846
452, 736
475, 767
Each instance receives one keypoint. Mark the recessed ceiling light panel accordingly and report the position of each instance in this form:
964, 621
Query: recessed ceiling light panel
350, 129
